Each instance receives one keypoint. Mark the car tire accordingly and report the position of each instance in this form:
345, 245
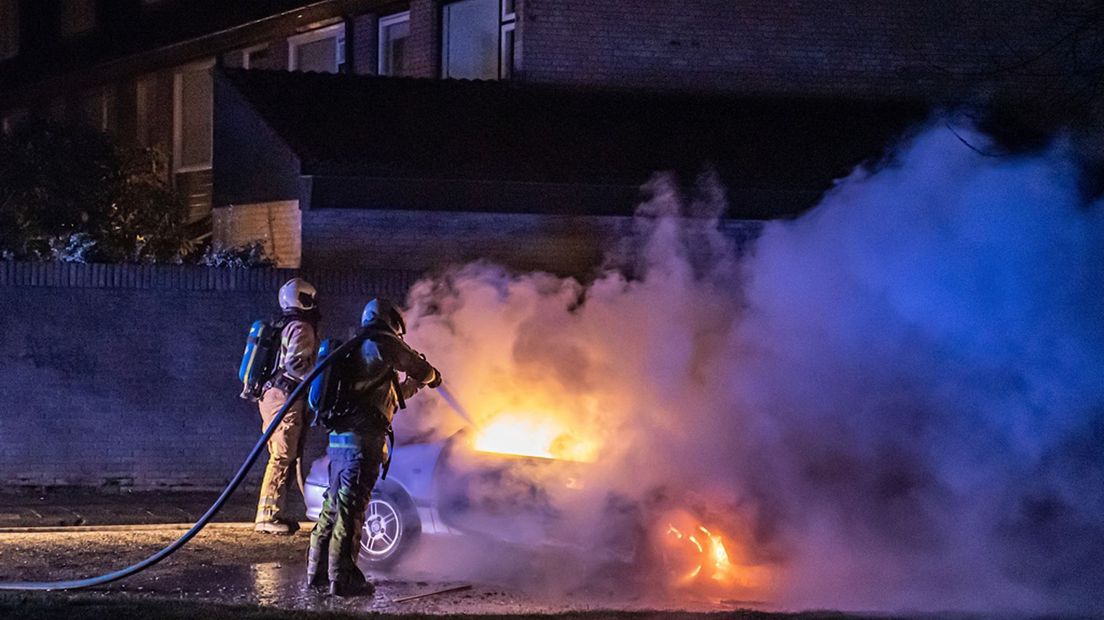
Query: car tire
391, 526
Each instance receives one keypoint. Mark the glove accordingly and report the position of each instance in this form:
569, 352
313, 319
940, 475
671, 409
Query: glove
409, 387
436, 382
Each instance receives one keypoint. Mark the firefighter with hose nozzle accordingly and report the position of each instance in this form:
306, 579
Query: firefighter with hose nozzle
357, 409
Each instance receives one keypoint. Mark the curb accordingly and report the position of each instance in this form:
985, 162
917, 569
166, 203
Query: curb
137, 527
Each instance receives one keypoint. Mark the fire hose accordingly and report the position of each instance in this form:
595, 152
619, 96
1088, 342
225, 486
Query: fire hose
175, 546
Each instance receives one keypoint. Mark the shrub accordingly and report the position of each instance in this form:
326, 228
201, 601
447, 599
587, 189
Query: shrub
70, 193
240, 257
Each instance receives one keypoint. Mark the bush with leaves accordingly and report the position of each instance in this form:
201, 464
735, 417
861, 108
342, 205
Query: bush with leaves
70, 193
244, 256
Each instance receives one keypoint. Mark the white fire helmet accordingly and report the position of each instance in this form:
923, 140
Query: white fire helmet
382, 310
297, 294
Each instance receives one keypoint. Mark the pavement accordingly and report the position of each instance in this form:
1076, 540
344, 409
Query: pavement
57, 534
31, 508
235, 566
69, 533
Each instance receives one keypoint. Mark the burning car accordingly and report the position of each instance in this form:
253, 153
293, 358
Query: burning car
508, 481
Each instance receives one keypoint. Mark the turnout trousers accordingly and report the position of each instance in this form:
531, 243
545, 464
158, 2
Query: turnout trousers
285, 450
355, 460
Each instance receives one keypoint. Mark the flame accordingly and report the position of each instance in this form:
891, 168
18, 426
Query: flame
718, 554
524, 433
709, 559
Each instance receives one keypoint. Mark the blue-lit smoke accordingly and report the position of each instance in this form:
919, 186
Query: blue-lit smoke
901, 392
928, 346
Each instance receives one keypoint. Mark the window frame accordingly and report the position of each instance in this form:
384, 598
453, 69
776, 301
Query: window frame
384, 22
178, 117
245, 52
318, 34
503, 53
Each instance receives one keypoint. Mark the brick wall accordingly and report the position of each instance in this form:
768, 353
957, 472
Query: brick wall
363, 38
128, 374
421, 241
812, 48
423, 47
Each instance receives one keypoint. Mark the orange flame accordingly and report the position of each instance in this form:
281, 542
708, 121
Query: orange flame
709, 557
522, 433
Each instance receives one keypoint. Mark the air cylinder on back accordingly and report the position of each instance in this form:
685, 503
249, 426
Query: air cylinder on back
323, 390
258, 361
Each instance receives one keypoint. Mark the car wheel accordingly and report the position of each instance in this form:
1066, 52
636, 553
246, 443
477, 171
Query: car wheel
390, 527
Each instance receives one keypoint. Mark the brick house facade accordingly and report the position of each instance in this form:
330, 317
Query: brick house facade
909, 49
141, 69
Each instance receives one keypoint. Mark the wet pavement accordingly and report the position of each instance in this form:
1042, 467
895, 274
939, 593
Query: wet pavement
238, 566
71, 533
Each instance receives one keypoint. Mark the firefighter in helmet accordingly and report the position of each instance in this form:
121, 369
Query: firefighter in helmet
358, 445
298, 350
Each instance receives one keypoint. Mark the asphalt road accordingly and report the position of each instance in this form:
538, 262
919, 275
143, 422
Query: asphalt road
229, 565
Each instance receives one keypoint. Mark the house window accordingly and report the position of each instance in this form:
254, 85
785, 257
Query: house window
477, 39
192, 107
257, 57
97, 108
321, 50
393, 33
9, 29
77, 16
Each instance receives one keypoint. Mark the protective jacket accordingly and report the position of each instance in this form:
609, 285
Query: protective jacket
298, 350
376, 389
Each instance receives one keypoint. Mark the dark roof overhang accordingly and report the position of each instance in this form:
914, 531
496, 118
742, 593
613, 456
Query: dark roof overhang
510, 133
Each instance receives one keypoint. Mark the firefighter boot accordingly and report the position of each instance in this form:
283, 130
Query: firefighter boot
280, 527
351, 584
317, 568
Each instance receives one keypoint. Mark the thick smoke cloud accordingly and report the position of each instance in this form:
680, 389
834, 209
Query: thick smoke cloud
896, 400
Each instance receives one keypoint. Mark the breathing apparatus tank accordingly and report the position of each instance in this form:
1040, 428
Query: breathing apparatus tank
324, 389
259, 359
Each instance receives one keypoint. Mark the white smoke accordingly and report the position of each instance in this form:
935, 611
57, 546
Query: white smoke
895, 398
